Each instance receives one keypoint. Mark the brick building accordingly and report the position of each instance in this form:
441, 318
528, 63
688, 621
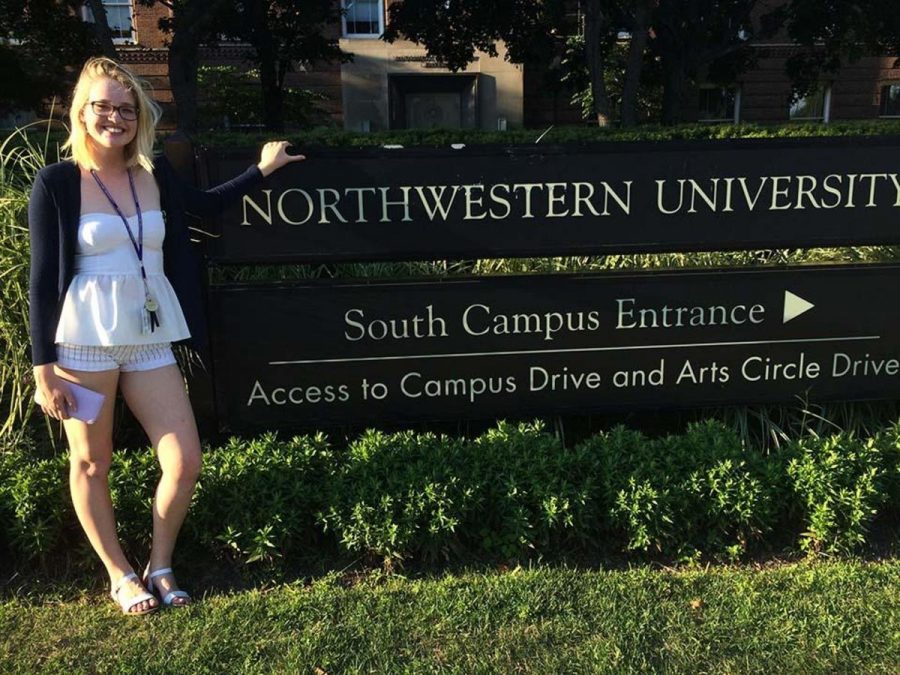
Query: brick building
390, 86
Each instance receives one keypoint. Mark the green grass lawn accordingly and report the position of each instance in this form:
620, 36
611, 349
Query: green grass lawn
836, 617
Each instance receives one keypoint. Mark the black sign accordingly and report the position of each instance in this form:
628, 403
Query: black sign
337, 353
534, 201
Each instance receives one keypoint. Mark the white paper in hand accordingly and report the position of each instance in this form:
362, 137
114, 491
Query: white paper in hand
88, 402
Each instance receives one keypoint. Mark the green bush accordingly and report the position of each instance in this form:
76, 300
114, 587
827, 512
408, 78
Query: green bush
265, 504
695, 492
730, 493
330, 137
643, 511
132, 482
257, 500
22, 155
840, 482
891, 446
255, 504
232, 97
42, 526
400, 495
512, 491
531, 494
7, 510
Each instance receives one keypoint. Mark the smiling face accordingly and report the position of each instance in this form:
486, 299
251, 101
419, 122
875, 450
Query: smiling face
109, 131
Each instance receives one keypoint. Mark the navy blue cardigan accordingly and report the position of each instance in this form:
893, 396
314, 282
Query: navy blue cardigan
53, 214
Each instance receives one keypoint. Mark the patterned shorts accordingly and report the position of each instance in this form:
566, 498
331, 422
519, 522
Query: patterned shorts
126, 358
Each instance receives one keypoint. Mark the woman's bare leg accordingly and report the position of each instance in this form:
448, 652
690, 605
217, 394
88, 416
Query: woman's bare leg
90, 455
160, 403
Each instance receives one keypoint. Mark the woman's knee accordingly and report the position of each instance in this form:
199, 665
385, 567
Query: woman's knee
92, 462
192, 466
185, 467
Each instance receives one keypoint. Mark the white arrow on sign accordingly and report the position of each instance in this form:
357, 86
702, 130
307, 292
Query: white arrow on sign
794, 306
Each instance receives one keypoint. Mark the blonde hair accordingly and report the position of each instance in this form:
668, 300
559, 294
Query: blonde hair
140, 150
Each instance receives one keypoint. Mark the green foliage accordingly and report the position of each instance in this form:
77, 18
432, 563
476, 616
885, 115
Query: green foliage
644, 512
6, 506
575, 74
398, 495
22, 155
840, 481
232, 97
892, 466
514, 492
832, 35
532, 495
776, 426
329, 137
42, 44
281, 33
837, 617
255, 504
132, 481
256, 500
558, 264
39, 522
699, 491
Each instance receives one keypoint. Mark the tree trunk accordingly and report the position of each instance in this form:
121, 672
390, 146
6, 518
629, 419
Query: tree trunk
267, 60
272, 94
101, 29
183, 64
674, 90
635, 63
595, 28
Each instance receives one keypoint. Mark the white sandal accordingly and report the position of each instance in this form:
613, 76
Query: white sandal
171, 595
126, 605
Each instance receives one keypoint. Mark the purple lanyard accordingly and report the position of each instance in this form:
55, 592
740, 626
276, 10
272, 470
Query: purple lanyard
149, 320
139, 242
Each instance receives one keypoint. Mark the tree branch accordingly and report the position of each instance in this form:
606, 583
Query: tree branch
101, 29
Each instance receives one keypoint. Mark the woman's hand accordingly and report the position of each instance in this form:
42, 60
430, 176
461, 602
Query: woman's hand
55, 396
274, 156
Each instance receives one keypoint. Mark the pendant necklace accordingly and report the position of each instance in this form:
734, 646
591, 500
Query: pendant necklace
149, 317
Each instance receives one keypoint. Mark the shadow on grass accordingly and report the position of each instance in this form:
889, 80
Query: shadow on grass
66, 583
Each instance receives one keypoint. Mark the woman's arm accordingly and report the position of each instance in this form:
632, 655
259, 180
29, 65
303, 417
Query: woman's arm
43, 294
205, 203
43, 289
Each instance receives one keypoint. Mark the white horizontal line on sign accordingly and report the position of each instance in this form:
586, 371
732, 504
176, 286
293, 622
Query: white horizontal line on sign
573, 350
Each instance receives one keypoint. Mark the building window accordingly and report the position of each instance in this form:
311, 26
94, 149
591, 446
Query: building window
719, 104
814, 107
890, 100
120, 17
362, 18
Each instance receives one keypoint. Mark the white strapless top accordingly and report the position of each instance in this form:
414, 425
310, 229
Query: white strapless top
105, 300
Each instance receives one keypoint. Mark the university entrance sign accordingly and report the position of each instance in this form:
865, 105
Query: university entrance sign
324, 353
588, 199
329, 353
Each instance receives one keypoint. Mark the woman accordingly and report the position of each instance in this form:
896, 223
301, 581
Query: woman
113, 283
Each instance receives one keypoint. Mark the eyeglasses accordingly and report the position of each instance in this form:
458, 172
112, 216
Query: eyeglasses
126, 112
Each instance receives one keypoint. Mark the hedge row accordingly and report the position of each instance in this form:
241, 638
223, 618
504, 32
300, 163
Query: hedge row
54, 135
513, 492
330, 137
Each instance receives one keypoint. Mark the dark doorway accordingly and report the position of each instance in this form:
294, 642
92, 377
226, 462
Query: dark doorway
433, 101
